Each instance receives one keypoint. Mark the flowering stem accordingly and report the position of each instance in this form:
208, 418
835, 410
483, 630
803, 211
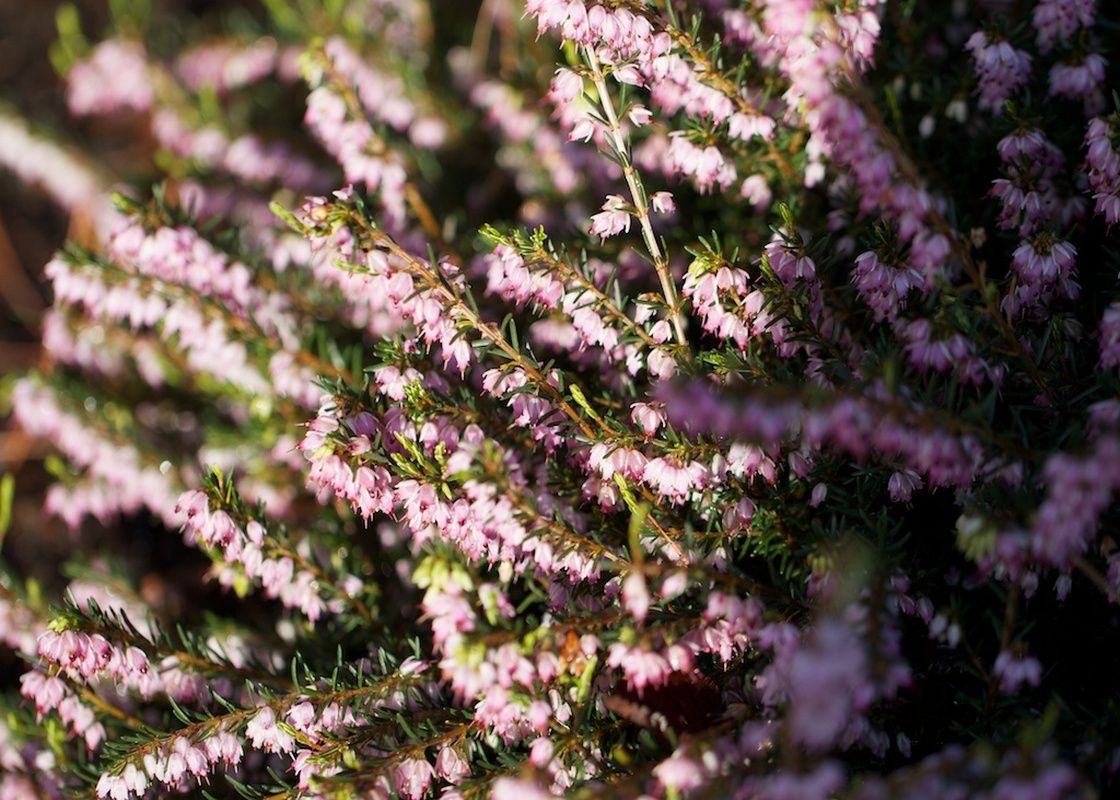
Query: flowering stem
275, 548
197, 664
638, 194
247, 328
1010, 610
463, 311
708, 74
233, 719
910, 172
567, 272
416, 203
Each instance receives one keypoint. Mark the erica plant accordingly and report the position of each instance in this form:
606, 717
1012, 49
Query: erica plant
620, 398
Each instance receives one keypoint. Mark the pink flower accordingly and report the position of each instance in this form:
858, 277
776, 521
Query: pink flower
451, 766
639, 115
902, 484
1109, 337
112, 786
613, 219
745, 126
46, 693
829, 685
265, 735
1043, 261
223, 746
412, 778
517, 789
1104, 168
1080, 81
540, 753
661, 365
648, 416
635, 596
628, 74
679, 772
1058, 20
673, 480
738, 517
625, 461
706, 165
583, 130
662, 203
1000, 70
1078, 490
1016, 671
756, 191
112, 78
566, 87
642, 668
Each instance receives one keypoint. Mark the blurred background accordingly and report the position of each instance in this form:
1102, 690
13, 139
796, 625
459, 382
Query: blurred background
32, 227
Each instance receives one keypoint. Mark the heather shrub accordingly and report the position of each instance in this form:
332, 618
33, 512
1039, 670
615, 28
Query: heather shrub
629, 399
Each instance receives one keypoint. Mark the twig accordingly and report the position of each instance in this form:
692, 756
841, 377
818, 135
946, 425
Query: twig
638, 194
16, 288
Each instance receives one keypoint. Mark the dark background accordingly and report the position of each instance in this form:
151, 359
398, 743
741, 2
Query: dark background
32, 227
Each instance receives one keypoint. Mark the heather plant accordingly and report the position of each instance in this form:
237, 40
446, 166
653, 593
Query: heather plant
612, 398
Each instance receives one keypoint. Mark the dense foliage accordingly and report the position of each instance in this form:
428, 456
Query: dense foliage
622, 398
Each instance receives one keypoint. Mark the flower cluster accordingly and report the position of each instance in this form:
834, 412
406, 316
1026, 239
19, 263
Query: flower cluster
1104, 167
568, 397
1000, 69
